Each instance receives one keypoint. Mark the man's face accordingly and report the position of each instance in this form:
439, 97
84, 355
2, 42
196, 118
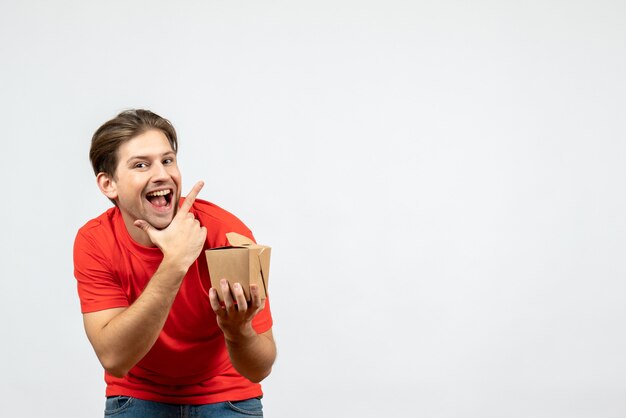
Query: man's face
147, 181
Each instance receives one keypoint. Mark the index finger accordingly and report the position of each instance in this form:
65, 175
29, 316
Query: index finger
191, 197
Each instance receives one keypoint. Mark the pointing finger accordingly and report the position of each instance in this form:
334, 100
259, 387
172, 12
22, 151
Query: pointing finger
191, 197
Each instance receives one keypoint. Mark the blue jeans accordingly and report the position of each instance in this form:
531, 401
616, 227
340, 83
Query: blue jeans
125, 407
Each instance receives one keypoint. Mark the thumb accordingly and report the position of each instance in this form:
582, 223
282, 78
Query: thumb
141, 224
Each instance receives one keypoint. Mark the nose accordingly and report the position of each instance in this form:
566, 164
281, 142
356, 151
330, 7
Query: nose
159, 172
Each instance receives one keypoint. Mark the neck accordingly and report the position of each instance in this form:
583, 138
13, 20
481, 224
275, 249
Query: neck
137, 234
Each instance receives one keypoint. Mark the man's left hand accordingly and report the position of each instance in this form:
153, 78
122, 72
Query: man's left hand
235, 316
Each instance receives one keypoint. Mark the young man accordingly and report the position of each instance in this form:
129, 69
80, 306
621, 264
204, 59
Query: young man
168, 347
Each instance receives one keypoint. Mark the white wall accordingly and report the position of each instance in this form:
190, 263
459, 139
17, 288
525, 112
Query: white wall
442, 183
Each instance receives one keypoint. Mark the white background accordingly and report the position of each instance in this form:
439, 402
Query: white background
442, 183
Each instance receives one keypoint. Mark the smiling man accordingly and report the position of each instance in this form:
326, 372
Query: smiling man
167, 345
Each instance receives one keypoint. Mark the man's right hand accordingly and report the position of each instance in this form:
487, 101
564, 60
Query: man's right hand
122, 336
183, 239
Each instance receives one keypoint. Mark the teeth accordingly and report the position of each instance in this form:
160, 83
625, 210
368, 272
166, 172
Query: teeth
159, 193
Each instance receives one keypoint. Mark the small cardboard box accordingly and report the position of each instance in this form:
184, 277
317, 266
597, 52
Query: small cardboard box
242, 262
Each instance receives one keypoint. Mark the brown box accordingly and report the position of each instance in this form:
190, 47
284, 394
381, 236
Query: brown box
242, 262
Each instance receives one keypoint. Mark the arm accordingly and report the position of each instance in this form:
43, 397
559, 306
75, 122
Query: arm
122, 336
252, 354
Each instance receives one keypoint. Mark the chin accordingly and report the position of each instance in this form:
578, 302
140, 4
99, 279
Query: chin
160, 223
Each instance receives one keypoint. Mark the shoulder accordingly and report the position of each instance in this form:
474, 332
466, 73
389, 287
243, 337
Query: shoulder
218, 222
97, 232
214, 213
100, 223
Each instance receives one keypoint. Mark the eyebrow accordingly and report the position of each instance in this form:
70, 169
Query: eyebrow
147, 157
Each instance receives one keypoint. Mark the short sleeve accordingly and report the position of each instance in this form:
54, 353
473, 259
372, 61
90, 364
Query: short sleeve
98, 289
263, 320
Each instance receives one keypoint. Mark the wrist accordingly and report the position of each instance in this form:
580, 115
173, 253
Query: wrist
172, 266
243, 336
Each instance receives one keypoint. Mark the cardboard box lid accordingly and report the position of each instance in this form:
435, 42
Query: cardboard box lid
238, 240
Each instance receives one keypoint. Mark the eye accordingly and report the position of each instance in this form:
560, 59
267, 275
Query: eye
168, 161
140, 165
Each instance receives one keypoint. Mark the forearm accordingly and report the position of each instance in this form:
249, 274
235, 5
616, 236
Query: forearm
126, 338
252, 354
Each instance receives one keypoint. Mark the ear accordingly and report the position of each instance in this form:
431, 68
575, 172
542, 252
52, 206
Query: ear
107, 185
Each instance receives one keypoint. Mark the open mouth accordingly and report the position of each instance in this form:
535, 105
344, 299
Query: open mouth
160, 198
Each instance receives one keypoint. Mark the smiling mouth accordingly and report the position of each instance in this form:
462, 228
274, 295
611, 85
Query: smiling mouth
160, 198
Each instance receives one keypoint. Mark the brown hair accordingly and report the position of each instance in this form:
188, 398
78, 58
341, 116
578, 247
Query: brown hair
124, 127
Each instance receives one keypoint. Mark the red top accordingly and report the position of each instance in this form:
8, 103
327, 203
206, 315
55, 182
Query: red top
189, 362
